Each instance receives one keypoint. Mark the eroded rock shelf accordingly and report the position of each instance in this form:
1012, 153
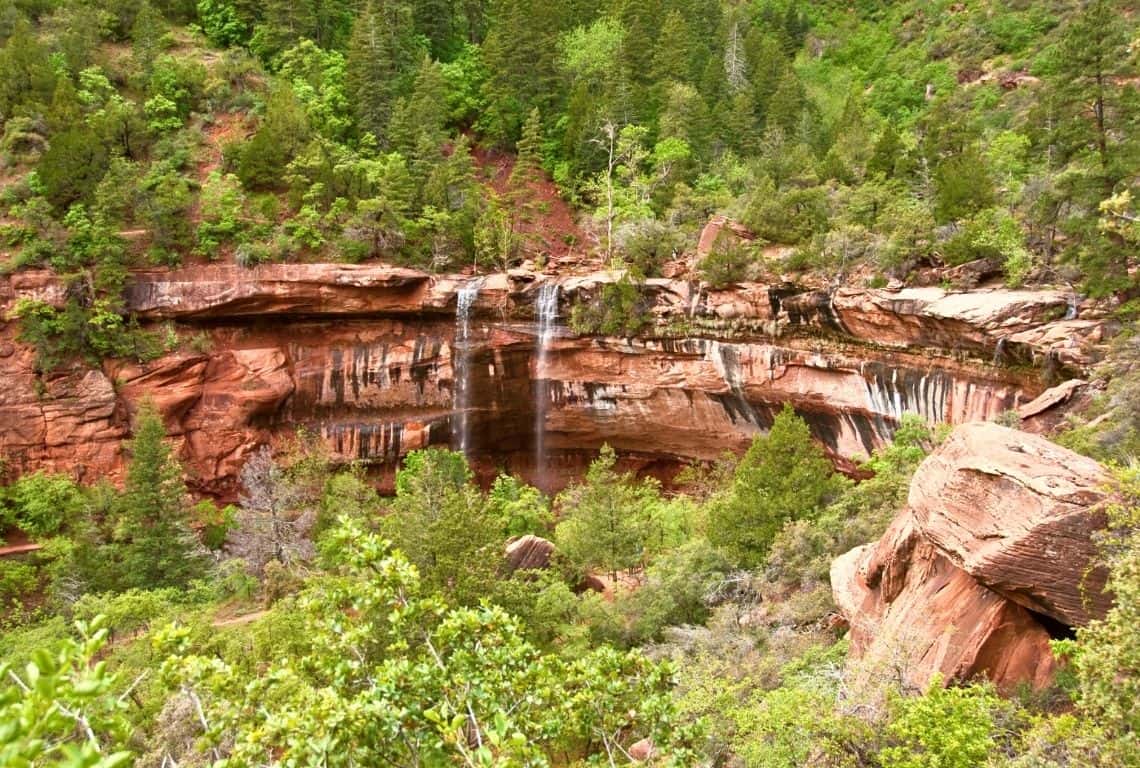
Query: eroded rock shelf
364, 356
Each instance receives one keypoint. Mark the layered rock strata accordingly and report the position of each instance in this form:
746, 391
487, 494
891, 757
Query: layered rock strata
363, 356
992, 558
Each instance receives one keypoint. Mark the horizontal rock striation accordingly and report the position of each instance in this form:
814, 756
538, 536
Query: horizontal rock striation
363, 356
992, 557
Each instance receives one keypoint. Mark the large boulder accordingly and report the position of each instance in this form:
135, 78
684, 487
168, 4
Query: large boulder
529, 552
1016, 512
913, 614
998, 536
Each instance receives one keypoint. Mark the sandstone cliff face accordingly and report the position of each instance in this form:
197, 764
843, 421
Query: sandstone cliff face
365, 357
993, 553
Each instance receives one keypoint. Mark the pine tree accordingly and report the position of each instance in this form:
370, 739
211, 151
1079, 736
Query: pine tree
767, 63
787, 104
146, 35
521, 66
528, 163
1093, 56
784, 476
440, 521
606, 519
673, 51
157, 546
436, 20
421, 118
886, 154
380, 53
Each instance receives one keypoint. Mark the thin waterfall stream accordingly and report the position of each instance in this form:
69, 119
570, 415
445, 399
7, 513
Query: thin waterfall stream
546, 313
461, 357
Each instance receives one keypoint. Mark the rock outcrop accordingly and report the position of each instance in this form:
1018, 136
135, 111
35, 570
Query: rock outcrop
1015, 512
992, 557
363, 356
529, 552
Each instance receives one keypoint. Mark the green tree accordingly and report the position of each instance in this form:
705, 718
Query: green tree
152, 527
963, 186
521, 70
519, 508
673, 52
1091, 62
283, 132
606, 520
72, 166
381, 52
784, 476
528, 156
440, 521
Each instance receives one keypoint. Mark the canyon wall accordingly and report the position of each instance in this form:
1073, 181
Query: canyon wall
365, 357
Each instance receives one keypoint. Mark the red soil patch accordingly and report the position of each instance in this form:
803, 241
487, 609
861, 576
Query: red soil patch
226, 128
551, 230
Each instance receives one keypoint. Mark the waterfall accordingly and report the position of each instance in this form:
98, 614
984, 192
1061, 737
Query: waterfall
1074, 307
461, 357
546, 313
999, 351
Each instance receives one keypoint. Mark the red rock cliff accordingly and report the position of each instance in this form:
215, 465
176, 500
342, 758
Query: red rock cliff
364, 356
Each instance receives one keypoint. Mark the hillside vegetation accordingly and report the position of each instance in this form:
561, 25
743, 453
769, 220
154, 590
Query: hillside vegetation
866, 139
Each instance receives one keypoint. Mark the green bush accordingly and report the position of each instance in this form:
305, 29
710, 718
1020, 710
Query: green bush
617, 309
947, 727
729, 262
17, 579
43, 503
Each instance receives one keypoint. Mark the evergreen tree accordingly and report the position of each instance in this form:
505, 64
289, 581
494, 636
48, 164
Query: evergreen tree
72, 166
685, 116
784, 476
673, 51
146, 36
440, 521
885, 156
521, 67
1093, 57
436, 20
26, 73
528, 162
380, 53
787, 105
421, 117
606, 519
157, 546
767, 63
963, 186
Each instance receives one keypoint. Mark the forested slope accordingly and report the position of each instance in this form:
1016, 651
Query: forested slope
865, 139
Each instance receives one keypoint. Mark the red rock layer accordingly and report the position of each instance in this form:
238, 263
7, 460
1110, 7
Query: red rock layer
362, 355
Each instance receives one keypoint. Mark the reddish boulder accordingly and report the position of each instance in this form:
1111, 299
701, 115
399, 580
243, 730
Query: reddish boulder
1017, 513
529, 552
999, 534
643, 750
913, 614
